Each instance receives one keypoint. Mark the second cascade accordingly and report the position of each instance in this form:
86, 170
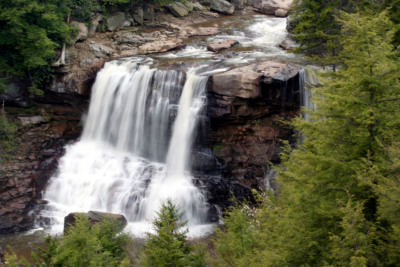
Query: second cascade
134, 152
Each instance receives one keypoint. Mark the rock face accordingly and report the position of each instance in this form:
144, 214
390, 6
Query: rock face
243, 126
246, 82
94, 217
16, 93
39, 143
214, 47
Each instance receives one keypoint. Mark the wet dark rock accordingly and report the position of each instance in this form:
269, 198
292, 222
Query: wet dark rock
94, 217
38, 148
15, 93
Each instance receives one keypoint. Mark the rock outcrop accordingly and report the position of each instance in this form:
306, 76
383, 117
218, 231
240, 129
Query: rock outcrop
115, 21
239, 4
39, 143
246, 82
243, 126
94, 217
83, 31
279, 8
221, 6
215, 47
178, 9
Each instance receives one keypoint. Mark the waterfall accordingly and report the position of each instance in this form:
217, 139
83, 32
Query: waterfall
135, 148
308, 78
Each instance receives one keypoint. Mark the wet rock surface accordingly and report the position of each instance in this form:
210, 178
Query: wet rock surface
242, 129
215, 47
38, 145
94, 217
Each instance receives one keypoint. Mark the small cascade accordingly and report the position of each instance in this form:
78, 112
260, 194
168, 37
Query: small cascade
135, 148
308, 79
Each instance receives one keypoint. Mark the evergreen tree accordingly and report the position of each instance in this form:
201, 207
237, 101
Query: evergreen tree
338, 200
357, 111
169, 245
101, 244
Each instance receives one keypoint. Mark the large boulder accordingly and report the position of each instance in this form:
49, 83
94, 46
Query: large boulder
221, 6
161, 46
199, 7
83, 31
214, 47
188, 5
138, 15
94, 217
178, 9
278, 8
94, 24
115, 21
239, 4
245, 82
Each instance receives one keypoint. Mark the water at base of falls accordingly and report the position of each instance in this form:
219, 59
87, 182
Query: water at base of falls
134, 149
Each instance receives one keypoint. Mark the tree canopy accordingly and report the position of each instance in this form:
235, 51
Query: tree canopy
338, 201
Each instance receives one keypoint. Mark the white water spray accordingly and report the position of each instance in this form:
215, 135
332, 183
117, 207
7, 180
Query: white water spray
129, 158
308, 78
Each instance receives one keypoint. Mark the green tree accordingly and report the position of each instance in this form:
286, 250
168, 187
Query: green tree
357, 111
30, 31
169, 245
338, 202
318, 31
84, 244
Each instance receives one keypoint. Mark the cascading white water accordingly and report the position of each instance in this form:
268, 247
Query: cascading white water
308, 79
129, 158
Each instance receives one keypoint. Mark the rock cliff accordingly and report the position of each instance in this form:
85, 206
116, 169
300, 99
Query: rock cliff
239, 135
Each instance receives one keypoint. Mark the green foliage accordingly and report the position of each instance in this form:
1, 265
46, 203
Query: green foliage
115, 2
30, 32
357, 111
238, 241
318, 31
7, 134
169, 246
82, 9
339, 198
84, 244
355, 245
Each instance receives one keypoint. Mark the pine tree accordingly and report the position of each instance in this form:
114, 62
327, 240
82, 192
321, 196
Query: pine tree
169, 245
358, 110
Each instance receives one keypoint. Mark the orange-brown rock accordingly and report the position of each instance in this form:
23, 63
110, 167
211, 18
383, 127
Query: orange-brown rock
245, 82
214, 47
